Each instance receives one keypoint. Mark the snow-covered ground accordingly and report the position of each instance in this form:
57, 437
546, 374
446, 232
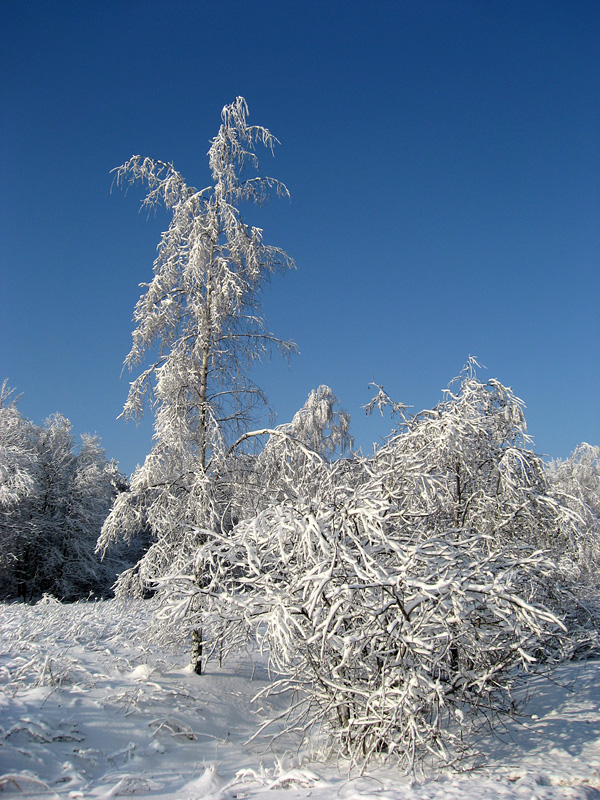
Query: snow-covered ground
89, 708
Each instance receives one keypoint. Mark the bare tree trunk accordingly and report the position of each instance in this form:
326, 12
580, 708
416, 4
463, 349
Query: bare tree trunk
206, 347
196, 654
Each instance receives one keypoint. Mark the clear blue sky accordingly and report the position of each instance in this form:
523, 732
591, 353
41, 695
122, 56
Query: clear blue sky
443, 158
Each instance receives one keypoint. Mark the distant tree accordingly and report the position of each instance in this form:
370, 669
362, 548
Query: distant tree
256, 480
53, 501
201, 313
17, 450
18, 483
575, 482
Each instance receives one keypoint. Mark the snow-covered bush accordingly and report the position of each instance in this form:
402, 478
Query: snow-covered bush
397, 594
467, 464
389, 639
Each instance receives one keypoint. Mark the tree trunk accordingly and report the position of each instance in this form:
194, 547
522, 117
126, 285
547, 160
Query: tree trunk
196, 655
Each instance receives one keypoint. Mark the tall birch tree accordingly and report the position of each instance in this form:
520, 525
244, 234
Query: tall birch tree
200, 318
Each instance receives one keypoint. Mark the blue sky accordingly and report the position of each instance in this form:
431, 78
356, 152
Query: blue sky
443, 158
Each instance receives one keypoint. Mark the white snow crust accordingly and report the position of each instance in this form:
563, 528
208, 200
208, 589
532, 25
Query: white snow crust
90, 708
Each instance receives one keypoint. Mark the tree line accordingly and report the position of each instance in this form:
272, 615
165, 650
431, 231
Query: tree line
54, 498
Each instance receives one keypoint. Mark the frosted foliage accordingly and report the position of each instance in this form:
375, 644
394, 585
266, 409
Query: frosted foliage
317, 431
388, 641
321, 427
398, 594
575, 482
201, 309
201, 313
466, 464
17, 452
53, 501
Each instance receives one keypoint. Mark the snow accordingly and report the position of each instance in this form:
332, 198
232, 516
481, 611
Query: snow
90, 708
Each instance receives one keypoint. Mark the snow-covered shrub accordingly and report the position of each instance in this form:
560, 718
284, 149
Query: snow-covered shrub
397, 594
467, 464
388, 636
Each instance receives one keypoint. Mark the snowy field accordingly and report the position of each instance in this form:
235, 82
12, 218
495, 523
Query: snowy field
90, 709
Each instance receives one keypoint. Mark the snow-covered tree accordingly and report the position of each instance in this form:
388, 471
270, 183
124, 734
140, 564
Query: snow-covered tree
17, 450
18, 479
319, 427
53, 501
202, 308
575, 482
201, 314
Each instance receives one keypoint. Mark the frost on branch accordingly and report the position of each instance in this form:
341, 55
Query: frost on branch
318, 431
397, 595
53, 501
575, 483
389, 642
201, 314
